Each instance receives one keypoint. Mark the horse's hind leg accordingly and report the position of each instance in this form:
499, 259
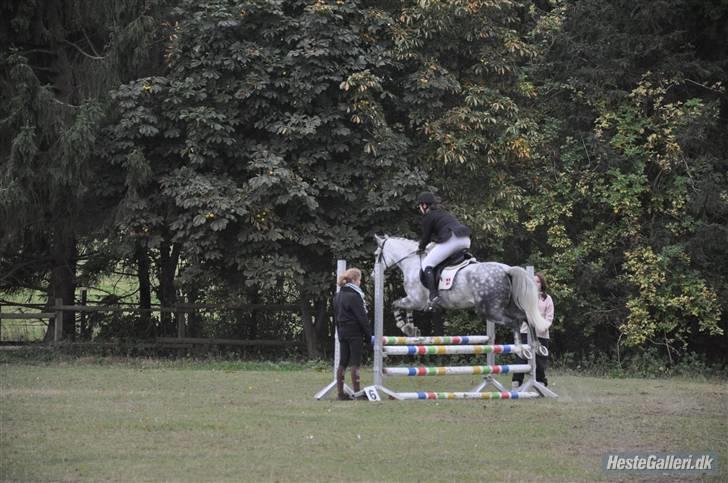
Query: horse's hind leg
524, 353
536, 345
538, 348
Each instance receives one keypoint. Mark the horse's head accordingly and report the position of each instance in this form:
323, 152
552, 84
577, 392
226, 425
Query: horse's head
379, 252
392, 250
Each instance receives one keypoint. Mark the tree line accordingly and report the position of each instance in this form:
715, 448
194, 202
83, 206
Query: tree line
232, 150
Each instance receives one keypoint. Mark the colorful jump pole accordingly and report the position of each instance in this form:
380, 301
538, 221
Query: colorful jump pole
457, 370
413, 350
468, 395
443, 340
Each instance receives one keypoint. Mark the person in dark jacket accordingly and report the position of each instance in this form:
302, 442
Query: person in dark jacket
352, 324
449, 235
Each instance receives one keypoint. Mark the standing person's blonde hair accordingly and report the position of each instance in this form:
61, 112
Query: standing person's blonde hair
349, 276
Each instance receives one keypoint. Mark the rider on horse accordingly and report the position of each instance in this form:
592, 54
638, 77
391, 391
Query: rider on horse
450, 236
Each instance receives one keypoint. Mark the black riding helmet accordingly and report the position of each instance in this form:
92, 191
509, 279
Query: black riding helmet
426, 198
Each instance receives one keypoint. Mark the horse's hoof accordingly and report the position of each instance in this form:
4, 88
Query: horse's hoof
410, 330
400, 325
526, 354
542, 350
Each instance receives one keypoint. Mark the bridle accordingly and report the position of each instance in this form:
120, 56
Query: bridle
380, 258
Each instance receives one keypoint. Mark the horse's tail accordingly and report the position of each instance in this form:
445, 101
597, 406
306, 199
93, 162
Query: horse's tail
525, 295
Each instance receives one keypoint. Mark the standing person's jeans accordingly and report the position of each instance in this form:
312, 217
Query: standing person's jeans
542, 362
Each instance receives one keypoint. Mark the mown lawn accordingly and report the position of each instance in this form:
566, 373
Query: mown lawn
148, 420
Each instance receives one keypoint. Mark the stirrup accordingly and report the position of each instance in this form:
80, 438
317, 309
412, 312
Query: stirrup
434, 303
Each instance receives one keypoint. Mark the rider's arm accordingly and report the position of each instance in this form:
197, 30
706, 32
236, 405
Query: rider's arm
428, 226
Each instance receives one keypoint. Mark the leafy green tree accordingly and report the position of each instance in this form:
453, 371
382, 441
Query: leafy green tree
461, 87
253, 155
630, 171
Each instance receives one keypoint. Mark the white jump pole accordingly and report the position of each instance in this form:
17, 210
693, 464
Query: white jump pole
490, 359
340, 269
378, 322
372, 392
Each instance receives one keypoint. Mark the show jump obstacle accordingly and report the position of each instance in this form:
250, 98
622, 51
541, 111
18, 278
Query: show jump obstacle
452, 345
340, 269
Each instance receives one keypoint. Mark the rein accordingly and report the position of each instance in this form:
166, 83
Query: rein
381, 256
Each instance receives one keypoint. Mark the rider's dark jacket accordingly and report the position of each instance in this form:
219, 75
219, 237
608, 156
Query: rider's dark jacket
439, 225
351, 315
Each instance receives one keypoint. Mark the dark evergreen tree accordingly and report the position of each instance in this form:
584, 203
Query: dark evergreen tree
58, 61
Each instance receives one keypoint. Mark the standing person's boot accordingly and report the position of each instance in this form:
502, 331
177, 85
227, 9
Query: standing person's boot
355, 381
431, 284
341, 395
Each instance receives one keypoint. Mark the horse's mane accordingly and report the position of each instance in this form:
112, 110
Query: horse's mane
403, 239
406, 241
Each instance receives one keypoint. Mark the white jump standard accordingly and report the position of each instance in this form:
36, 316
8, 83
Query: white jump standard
340, 269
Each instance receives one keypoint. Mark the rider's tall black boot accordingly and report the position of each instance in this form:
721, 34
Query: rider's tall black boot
431, 283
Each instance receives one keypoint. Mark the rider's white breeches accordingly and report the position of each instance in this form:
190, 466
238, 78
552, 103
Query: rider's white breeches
443, 250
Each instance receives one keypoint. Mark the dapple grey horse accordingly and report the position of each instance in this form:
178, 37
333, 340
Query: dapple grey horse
500, 293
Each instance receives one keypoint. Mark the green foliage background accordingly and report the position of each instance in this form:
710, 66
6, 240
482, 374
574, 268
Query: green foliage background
233, 150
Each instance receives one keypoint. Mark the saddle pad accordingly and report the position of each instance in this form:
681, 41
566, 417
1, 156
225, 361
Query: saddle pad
447, 277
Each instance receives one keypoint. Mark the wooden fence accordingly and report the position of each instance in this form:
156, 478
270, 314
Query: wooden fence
180, 310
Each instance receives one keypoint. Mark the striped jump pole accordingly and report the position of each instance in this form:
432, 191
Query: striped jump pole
443, 340
411, 350
457, 370
468, 395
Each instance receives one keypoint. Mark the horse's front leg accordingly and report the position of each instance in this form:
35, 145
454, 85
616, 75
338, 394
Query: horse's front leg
399, 319
407, 327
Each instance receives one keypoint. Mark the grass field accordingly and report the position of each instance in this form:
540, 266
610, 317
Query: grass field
126, 420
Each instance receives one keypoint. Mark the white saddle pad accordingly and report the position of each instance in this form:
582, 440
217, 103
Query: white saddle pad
447, 277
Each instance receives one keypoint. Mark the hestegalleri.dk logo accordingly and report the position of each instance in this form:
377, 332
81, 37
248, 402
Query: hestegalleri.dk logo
662, 462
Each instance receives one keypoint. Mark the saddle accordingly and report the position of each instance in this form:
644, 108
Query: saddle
445, 272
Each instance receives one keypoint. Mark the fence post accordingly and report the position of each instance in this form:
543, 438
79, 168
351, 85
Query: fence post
83, 330
58, 324
180, 322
